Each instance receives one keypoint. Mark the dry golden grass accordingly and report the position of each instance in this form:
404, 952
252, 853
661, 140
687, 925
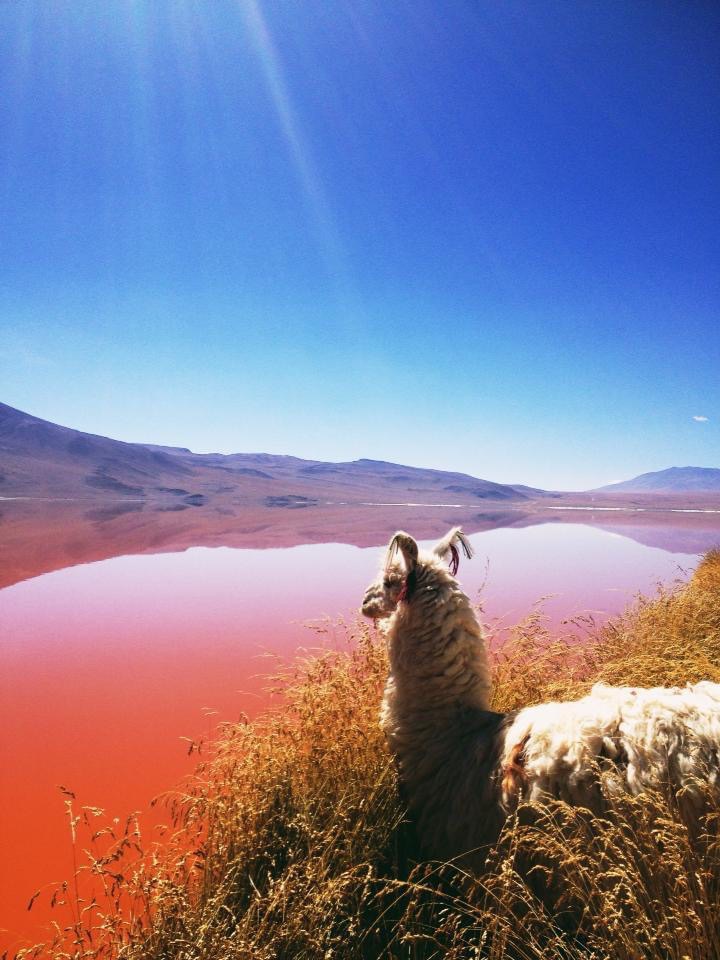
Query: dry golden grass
291, 841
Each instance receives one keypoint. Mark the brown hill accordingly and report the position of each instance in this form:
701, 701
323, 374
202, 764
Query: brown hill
39, 459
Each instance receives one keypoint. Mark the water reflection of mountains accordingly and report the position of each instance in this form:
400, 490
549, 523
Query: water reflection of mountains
39, 537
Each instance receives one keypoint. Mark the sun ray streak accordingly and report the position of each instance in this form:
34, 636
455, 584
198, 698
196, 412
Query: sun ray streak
331, 246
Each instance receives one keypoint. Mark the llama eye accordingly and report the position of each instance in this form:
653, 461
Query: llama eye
387, 583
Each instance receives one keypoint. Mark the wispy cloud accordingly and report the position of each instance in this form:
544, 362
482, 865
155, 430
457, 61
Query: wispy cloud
701, 419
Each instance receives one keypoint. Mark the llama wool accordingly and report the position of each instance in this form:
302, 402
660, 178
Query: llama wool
464, 767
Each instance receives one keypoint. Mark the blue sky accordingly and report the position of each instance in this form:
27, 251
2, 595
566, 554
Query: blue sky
477, 236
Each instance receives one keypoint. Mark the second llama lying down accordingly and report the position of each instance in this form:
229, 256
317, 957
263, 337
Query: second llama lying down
464, 767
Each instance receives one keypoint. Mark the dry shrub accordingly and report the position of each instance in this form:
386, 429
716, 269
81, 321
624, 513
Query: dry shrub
667, 640
291, 843
670, 640
563, 882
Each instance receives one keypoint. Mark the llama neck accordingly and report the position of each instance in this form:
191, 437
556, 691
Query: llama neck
439, 663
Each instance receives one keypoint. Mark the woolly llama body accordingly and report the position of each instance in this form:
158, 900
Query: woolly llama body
644, 738
462, 766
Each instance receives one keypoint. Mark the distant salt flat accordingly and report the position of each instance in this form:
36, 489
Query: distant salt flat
370, 503
638, 509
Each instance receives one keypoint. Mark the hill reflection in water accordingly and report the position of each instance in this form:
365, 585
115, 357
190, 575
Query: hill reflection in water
38, 537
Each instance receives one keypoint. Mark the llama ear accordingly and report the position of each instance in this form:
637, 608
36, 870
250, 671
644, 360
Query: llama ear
449, 545
405, 544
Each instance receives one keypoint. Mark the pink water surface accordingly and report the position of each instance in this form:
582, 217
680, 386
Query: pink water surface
105, 666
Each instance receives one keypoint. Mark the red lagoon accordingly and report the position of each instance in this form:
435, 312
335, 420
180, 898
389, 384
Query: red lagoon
107, 666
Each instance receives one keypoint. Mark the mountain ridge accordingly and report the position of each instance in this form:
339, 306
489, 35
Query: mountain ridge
42, 459
670, 480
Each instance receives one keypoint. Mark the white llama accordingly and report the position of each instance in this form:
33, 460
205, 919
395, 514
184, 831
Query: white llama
464, 767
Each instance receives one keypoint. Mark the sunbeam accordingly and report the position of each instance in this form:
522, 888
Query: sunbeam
319, 208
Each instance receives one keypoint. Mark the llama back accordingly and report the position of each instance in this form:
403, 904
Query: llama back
643, 738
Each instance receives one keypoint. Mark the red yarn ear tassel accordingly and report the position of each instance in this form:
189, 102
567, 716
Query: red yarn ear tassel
454, 559
408, 588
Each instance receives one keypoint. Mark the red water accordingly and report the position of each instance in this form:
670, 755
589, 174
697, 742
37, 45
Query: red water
106, 666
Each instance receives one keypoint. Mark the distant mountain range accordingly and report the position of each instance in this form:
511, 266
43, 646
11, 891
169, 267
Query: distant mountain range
672, 480
39, 459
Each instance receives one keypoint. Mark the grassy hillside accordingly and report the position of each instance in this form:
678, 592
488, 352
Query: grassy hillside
291, 842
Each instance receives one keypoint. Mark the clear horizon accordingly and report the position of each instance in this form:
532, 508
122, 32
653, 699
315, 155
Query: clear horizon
482, 239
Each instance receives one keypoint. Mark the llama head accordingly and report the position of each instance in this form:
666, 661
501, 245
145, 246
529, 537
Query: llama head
404, 565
